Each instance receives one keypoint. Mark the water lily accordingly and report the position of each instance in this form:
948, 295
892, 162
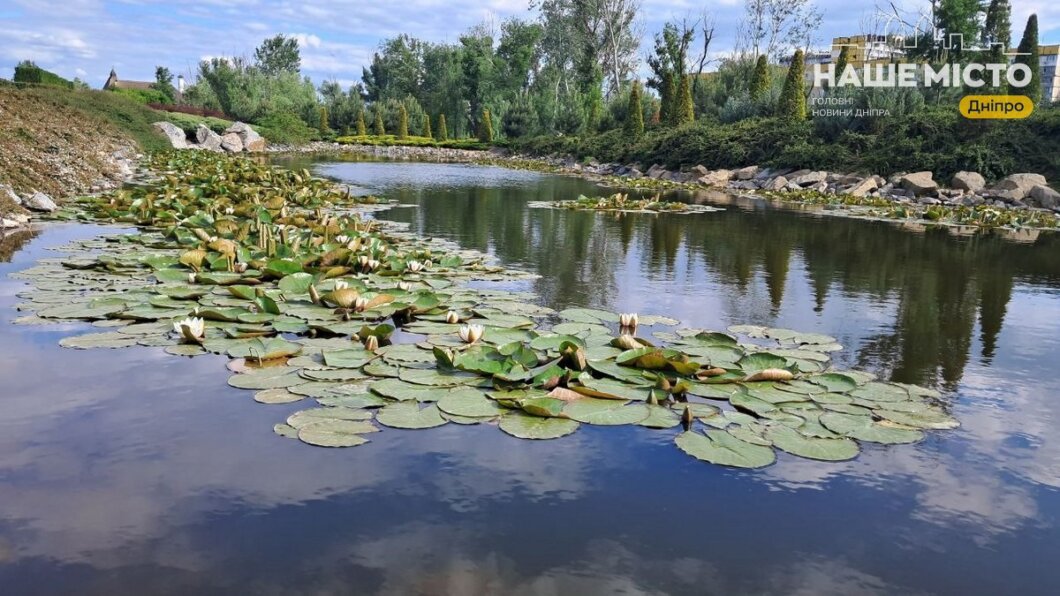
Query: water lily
360, 304
342, 239
452, 318
191, 278
240, 267
230, 210
372, 343
373, 264
192, 328
471, 333
404, 286
628, 320
341, 285
414, 266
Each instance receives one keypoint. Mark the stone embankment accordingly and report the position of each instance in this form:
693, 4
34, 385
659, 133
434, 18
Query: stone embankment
398, 152
237, 138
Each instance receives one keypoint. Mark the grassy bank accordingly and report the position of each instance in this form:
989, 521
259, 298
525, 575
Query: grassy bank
936, 139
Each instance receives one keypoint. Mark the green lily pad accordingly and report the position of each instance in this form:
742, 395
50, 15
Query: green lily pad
409, 415
724, 449
790, 440
335, 433
313, 415
469, 402
525, 426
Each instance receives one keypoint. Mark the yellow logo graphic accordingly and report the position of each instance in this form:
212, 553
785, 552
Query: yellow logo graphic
996, 107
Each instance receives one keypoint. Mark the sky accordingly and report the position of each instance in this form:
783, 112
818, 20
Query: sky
86, 38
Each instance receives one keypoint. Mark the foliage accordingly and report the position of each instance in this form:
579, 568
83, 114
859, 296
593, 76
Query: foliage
485, 127
634, 114
411, 141
28, 72
760, 77
277, 55
685, 113
164, 84
323, 123
427, 132
792, 105
377, 128
285, 128
443, 132
403, 122
189, 122
361, 128
144, 96
1028, 55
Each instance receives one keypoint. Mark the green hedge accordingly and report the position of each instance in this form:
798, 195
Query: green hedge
144, 96
35, 75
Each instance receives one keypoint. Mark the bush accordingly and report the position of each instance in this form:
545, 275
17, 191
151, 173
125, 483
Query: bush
29, 73
144, 96
393, 140
285, 128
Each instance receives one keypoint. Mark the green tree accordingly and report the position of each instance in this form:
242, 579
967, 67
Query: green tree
792, 105
378, 129
443, 133
277, 55
842, 62
1028, 55
685, 111
635, 113
362, 129
485, 127
760, 78
403, 122
323, 126
668, 65
427, 126
997, 29
164, 84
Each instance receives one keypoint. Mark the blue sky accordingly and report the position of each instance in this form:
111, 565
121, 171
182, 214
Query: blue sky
85, 38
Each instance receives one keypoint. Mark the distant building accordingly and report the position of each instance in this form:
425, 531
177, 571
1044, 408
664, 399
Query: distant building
1049, 71
114, 83
810, 58
868, 49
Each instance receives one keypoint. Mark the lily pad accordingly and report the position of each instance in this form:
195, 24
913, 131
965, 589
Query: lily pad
335, 433
525, 426
790, 440
409, 415
724, 449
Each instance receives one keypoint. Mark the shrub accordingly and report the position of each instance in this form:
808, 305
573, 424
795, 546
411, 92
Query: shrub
443, 133
792, 104
29, 73
285, 128
635, 114
410, 141
427, 127
403, 122
685, 111
485, 127
144, 96
377, 128
361, 128
760, 78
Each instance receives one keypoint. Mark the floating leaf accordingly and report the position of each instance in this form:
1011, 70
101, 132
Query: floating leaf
793, 442
410, 415
525, 426
335, 433
468, 402
724, 449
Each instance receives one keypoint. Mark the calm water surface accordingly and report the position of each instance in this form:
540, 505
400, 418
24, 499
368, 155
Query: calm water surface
130, 471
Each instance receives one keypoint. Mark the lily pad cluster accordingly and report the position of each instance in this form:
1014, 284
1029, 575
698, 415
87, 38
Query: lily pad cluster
377, 328
621, 203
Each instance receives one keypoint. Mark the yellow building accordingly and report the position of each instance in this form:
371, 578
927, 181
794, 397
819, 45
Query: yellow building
1050, 73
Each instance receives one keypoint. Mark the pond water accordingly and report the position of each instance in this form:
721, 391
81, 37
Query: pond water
130, 471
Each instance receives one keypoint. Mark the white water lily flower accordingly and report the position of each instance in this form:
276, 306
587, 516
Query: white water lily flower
341, 285
191, 278
414, 266
363, 260
191, 327
471, 333
343, 239
372, 343
373, 264
230, 210
404, 286
240, 267
628, 320
360, 303
452, 318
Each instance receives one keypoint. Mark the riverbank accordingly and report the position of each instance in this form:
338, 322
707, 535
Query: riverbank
1023, 200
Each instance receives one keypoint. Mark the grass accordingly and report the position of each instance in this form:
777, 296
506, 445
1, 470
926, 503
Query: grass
189, 122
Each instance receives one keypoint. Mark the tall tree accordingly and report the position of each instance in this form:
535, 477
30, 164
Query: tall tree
378, 128
997, 29
1027, 53
362, 130
668, 65
485, 127
403, 122
427, 126
773, 27
164, 83
634, 113
792, 105
443, 133
277, 55
842, 62
760, 78
685, 110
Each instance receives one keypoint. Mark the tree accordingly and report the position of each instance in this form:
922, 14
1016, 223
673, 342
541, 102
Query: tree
362, 130
1028, 55
485, 127
277, 55
771, 27
668, 68
427, 126
760, 78
685, 111
443, 134
792, 105
842, 62
378, 129
164, 83
403, 122
997, 29
323, 126
635, 113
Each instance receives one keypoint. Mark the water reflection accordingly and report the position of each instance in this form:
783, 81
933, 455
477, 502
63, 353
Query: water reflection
133, 471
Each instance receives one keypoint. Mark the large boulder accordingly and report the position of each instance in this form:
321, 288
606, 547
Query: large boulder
745, 173
1015, 187
231, 142
10, 193
1044, 197
250, 139
809, 178
656, 171
862, 188
39, 201
175, 134
699, 170
969, 181
207, 138
777, 183
919, 183
716, 178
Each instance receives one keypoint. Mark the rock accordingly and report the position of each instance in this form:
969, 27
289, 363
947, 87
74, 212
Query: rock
1015, 187
40, 202
655, 171
792, 186
207, 138
745, 173
970, 181
919, 183
821, 186
743, 185
716, 178
809, 178
862, 188
778, 183
10, 193
1044, 197
175, 134
700, 171
635, 173
250, 139
231, 142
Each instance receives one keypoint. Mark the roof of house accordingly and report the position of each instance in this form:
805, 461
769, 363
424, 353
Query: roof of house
114, 83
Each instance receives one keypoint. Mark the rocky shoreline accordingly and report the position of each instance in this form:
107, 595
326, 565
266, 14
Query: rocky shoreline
969, 189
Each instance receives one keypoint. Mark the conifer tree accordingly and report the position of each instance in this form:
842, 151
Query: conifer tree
667, 99
323, 120
760, 79
1028, 54
362, 129
685, 108
443, 133
427, 126
842, 62
403, 123
635, 113
485, 127
792, 104
378, 129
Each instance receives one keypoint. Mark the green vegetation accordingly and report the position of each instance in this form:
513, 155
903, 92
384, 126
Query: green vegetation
443, 132
378, 128
485, 127
189, 122
286, 128
427, 127
760, 77
362, 130
792, 104
411, 141
1028, 55
29, 73
620, 202
403, 123
144, 96
635, 114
